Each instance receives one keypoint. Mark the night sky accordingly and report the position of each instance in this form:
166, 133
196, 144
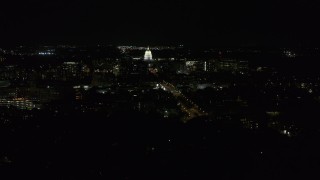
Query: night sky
161, 22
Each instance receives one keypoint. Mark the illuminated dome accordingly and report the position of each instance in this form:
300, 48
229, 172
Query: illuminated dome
148, 55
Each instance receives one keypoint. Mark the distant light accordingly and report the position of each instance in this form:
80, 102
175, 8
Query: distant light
86, 87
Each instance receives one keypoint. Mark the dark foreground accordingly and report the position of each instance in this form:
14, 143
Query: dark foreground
127, 145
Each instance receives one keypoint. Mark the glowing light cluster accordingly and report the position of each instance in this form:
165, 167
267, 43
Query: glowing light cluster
148, 55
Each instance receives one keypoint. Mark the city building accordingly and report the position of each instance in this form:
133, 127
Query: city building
20, 103
148, 55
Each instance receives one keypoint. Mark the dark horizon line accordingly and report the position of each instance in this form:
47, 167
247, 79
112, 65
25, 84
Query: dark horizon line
187, 45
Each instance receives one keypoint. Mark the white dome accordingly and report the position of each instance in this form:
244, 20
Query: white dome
148, 55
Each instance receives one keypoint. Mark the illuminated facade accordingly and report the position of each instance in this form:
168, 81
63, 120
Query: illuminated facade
20, 103
148, 55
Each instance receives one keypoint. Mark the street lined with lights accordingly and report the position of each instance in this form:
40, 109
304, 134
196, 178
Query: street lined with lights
186, 104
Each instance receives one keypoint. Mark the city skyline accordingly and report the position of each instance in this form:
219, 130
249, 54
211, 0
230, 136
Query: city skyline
159, 89
110, 112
